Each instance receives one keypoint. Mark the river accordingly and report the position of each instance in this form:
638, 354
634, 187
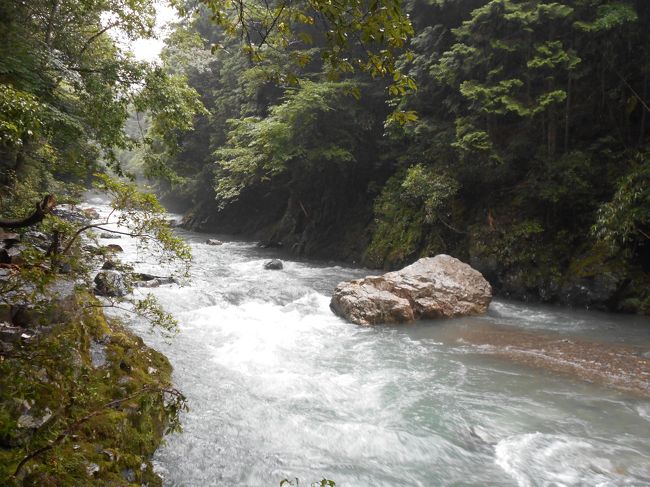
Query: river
279, 387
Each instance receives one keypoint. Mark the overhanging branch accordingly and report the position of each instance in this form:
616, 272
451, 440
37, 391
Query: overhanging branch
42, 208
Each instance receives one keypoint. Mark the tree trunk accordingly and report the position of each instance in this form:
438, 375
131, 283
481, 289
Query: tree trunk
644, 111
50, 23
42, 208
567, 114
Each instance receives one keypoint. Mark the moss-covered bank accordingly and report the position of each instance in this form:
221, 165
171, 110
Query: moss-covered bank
83, 401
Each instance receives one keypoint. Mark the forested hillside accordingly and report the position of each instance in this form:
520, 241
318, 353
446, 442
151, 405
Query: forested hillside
515, 138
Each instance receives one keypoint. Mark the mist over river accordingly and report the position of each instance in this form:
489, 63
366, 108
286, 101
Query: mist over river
279, 387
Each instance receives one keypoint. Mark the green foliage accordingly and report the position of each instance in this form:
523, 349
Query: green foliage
20, 116
609, 16
357, 35
172, 105
624, 222
401, 217
143, 216
433, 191
113, 415
515, 143
259, 149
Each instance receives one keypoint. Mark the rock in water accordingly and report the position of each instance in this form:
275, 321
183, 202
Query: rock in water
213, 241
273, 264
109, 235
113, 248
110, 283
433, 287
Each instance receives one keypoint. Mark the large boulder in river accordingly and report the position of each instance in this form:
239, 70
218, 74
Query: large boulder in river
433, 287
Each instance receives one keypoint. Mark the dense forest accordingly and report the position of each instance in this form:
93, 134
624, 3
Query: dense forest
515, 139
511, 134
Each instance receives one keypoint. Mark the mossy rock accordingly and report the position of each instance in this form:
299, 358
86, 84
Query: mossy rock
105, 420
594, 279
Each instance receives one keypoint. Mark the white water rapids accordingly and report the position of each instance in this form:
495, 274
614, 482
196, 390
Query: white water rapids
279, 387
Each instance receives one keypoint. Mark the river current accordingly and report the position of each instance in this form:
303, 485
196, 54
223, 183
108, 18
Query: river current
279, 387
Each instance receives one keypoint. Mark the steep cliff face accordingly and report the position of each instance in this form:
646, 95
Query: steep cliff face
83, 401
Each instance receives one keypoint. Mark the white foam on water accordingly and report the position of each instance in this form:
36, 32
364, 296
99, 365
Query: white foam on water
279, 387
644, 411
534, 459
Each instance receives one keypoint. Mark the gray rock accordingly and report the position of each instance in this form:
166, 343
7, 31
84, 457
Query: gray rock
109, 265
157, 282
274, 264
9, 237
270, 244
128, 475
15, 254
37, 239
92, 469
9, 333
71, 214
108, 235
97, 354
592, 291
34, 235
110, 283
432, 287
91, 213
26, 315
113, 248
149, 280
29, 420
11, 253
124, 380
213, 241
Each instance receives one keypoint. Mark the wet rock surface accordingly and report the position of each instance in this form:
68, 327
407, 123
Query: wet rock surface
273, 265
149, 280
110, 283
432, 287
109, 236
622, 367
114, 248
73, 214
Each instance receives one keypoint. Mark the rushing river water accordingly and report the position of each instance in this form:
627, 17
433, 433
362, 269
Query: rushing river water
279, 388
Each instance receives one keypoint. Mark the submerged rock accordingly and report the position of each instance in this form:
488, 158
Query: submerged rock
433, 287
273, 264
213, 241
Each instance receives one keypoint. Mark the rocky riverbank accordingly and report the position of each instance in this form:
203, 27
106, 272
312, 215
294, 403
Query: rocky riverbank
83, 401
